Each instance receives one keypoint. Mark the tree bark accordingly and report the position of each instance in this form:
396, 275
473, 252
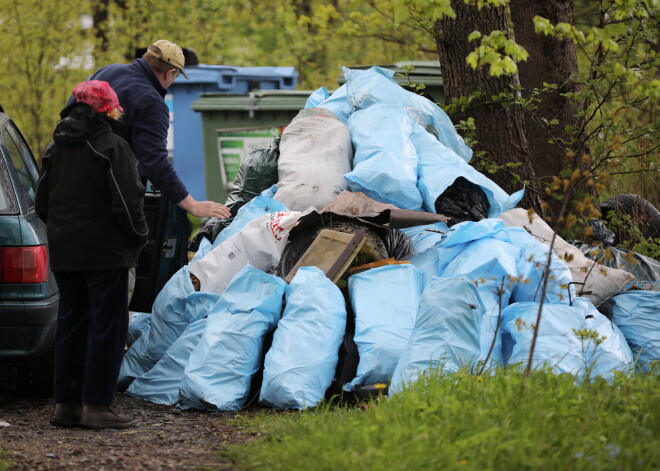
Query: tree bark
500, 130
551, 60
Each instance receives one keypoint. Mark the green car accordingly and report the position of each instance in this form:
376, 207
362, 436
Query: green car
28, 292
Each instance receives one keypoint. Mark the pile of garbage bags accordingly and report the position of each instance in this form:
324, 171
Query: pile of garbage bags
440, 273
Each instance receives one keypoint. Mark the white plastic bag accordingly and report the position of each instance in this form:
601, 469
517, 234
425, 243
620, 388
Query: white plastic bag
315, 154
260, 244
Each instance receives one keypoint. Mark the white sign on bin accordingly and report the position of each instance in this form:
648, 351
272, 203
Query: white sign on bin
235, 143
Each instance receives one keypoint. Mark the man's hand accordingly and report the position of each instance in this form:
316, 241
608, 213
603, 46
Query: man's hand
204, 209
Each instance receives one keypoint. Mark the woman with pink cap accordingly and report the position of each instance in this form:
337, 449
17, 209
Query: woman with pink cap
90, 195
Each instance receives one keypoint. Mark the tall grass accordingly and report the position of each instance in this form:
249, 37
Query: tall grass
502, 421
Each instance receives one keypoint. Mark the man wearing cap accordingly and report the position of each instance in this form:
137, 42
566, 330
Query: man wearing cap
141, 88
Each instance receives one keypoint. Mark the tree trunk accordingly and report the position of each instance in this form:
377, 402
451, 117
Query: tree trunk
551, 60
500, 130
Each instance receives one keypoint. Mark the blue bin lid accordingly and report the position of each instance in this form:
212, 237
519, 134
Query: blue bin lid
225, 77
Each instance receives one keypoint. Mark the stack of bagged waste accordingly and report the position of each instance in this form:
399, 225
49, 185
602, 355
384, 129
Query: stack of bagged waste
363, 251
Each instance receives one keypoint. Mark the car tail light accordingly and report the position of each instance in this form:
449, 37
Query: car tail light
23, 264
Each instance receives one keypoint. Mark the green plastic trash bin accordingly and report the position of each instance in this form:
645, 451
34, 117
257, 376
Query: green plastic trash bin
426, 72
233, 125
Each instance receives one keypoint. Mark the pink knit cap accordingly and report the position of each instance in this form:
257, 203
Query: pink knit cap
97, 94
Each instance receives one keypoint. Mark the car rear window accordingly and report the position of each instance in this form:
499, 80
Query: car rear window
8, 203
19, 154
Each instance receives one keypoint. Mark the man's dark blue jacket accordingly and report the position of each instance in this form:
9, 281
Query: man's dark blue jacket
145, 123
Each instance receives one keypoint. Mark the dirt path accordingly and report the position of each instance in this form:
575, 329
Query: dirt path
163, 438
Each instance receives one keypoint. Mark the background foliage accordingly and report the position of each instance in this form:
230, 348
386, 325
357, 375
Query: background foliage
51, 45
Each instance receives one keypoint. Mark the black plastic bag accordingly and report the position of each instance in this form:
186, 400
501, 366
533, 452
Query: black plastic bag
257, 173
463, 201
642, 212
399, 246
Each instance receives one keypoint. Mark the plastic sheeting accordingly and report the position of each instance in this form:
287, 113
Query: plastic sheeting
161, 383
446, 332
376, 85
385, 302
637, 314
229, 353
175, 307
301, 362
385, 160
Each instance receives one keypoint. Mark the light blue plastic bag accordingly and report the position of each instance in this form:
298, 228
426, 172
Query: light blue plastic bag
255, 208
440, 166
557, 346
140, 322
301, 363
637, 314
205, 247
612, 352
465, 247
446, 332
175, 307
229, 353
319, 95
385, 160
531, 266
169, 319
161, 383
376, 85
338, 104
382, 329
427, 236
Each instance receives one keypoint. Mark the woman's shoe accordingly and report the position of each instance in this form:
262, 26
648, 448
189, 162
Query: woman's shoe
98, 417
66, 415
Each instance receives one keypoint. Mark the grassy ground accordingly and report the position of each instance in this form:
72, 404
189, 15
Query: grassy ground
467, 422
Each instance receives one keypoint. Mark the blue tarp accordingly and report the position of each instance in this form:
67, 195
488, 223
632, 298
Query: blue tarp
301, 362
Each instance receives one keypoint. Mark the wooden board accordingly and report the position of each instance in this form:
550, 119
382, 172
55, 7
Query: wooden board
332, 252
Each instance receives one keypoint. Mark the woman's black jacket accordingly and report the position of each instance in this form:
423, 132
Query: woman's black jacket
90, 195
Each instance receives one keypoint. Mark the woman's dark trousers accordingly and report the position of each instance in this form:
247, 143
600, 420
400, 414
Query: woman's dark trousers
91, 334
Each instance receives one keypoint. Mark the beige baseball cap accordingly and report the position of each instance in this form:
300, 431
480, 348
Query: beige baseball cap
170, 53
